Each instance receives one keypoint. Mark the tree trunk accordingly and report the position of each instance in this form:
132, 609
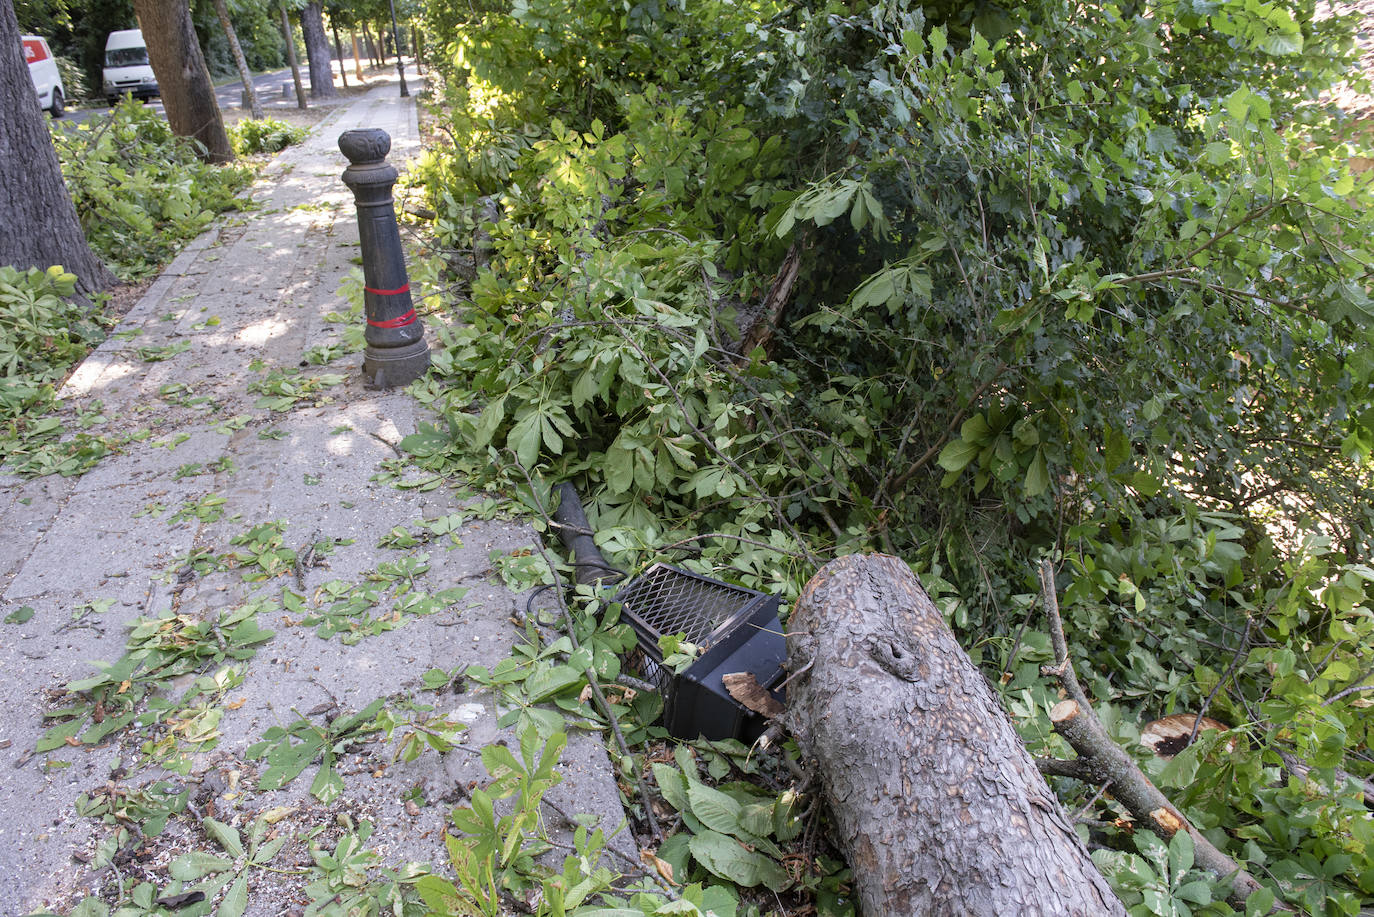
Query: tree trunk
38, 225
254, 106
317, 52
357, 58
338, 53
400, 61
381, 47
937, 804
187, 93
291, 56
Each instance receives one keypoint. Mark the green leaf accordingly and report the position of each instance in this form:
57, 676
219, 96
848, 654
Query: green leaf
197, 864
235, 900
524, 438
714, 809
1180, 854
327, 784
672, 785
1037, 475
728, 859
269, 850
1181, 771
438, 894
91, 907
619, 468
957, 454
976, 430
547, 681
490, 422
20, 615
57, 736
938, 42
227, 837
1197, 891
1259, 903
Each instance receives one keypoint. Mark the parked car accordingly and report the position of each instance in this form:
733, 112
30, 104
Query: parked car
126, 67
47, 82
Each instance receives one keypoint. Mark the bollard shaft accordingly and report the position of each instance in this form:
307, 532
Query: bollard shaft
396, 351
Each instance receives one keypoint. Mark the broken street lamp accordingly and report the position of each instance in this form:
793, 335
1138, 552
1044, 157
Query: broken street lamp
736, 631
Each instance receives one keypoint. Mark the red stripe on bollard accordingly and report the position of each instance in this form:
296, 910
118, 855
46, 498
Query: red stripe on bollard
399, 321
395, 292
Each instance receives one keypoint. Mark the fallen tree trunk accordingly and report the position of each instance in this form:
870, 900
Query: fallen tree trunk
935, 801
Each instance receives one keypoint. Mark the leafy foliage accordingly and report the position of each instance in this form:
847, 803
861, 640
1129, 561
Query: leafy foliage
128, 692
288, 750
266, 136
495, 856
731, 832
139, 190
345, 609
1087, 283
42, 331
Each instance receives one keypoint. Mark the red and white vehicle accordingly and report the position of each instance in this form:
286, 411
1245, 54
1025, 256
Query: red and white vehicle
47, 82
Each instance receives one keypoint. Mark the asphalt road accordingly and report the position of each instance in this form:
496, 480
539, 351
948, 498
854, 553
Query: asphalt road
230, 95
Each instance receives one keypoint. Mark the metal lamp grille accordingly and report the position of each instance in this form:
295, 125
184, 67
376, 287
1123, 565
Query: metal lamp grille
666, 601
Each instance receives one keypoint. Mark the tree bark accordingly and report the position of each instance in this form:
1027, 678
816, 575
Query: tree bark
367, 46
381, 46
254, 106
317, 52
338, 53
187, 93
357, 58
291, 56
936, 803
766, 322
38, 224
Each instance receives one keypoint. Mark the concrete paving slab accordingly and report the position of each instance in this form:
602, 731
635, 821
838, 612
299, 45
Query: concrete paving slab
150, 532
102, 547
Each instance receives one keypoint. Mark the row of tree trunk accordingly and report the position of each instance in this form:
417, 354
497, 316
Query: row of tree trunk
41, 225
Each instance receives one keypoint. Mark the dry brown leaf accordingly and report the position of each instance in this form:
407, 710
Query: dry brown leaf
663, 867
745, 688
276, 814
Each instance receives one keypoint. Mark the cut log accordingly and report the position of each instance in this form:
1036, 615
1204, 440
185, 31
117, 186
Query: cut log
935, 801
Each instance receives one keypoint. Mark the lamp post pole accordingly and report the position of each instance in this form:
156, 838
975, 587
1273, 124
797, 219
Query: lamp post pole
396, 40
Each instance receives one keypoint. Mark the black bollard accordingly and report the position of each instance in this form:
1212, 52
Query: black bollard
396, 351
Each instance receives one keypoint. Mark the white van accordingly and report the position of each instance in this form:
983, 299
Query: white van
127, 68
47, 82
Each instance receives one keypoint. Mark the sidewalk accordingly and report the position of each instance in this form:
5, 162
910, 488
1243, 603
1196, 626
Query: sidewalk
137, 537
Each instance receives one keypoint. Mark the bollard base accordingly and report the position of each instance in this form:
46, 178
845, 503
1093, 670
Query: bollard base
388, 367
